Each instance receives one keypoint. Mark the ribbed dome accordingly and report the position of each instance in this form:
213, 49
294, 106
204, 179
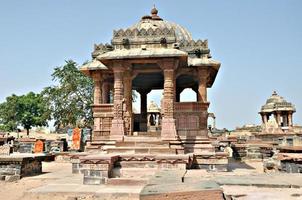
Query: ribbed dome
277, 103
155, 22
153, 108
275, 98
180, 32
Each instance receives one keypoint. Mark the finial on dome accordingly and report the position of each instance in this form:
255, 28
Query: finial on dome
154, 11
274, 93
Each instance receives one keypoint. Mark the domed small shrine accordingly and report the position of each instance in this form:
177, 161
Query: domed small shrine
149, 55
277, 111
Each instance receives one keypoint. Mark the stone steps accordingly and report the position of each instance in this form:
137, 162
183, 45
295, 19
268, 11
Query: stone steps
137, 164
146, 143
141, 138
127, 181
133, 172
141, 150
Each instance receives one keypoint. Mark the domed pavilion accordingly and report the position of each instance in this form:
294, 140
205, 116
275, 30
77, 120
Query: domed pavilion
278, 110
151, 54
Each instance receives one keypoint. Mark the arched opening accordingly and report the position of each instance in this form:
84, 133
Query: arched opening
148, 87
188, 95
186, 87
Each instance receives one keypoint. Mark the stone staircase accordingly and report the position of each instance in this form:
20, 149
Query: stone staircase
142, 155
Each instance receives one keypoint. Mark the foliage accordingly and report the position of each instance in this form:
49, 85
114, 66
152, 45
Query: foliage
70, 100
27, 110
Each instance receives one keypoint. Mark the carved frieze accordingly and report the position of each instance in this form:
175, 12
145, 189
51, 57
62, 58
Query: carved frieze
143, 36
100, 49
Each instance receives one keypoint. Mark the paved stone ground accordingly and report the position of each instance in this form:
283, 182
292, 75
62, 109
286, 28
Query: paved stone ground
245, 181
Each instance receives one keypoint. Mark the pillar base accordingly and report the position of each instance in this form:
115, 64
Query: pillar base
117, 130
168, 129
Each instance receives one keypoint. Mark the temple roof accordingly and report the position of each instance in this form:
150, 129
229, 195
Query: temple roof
153, 38
93, 65
141, 53
153, 108
277, 103
155, 22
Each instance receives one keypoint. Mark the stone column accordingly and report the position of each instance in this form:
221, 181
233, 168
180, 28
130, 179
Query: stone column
117, 127
97, 99
105, 91
279, 119
168, 131
214, 123
264, 118
128, 103
202, 85
97, 94
290, 119
143, 116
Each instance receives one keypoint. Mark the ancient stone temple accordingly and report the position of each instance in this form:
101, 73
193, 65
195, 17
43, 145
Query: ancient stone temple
277, 114
152, 54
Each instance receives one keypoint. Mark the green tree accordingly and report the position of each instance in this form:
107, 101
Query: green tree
70, 99
8, 114
27, 110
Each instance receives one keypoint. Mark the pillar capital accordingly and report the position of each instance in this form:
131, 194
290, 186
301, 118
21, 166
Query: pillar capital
168, 64
97, 76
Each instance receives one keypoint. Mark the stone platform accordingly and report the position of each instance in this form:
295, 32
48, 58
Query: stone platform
146, 154
15, 166
243, 183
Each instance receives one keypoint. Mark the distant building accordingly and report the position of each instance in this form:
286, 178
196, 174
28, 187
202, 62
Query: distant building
277, 115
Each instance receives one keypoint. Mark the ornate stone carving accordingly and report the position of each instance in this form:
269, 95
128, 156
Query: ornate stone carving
100, 49
118, 109
143, 36
195, 48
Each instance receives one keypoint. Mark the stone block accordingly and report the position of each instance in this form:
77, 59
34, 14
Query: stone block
103, 167
75, 168
93, 180
2, 178
5, 150
12, 178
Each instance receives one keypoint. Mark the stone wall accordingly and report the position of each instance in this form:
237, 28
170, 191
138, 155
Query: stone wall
5, 150
13, 168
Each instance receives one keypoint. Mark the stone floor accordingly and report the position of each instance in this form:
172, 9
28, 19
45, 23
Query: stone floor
244, 181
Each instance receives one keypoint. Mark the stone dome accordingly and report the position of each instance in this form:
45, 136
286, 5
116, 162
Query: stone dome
155, 22
275, 98
153, 108
277, 103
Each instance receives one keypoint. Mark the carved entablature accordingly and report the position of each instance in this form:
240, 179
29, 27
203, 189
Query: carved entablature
100, 49
132, 38
195, 48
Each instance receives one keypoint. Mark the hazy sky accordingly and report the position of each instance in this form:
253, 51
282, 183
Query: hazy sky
258, 43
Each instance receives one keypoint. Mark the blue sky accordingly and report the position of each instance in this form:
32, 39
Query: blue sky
258, 43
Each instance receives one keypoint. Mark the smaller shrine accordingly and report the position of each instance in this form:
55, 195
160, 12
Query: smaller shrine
277, 115
154, 117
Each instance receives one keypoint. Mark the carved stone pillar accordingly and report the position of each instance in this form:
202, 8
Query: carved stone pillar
128, 103
97, 99
202, 85
105, 92
278, 119
117, 128
265, 119
168, 131
97, 94
143, 119
290, 119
